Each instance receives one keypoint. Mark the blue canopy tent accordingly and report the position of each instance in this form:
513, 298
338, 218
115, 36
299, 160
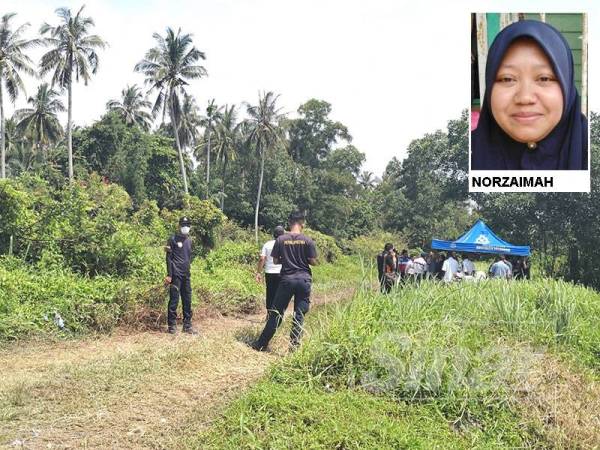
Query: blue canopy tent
480, 239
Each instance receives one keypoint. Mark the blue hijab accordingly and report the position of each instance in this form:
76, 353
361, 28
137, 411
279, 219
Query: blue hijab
566, 146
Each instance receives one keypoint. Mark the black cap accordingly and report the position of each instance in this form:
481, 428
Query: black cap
184, 221
278, 231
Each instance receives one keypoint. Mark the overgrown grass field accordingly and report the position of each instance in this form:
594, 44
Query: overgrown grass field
434, 366
33, 298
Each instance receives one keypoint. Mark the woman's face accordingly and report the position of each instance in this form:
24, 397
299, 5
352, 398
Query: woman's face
527, 100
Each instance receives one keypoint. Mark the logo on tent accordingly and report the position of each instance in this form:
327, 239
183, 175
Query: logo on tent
482, 239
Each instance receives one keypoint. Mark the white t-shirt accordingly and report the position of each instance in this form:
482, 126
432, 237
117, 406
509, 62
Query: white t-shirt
410, 267
266, 252
450, 267
468, 266
420, 265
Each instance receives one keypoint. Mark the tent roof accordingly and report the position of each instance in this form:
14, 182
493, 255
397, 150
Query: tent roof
480, 239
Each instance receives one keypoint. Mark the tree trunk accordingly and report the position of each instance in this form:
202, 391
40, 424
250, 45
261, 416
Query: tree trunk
179, 151
69, 126
260, 181
223, 185
208, 161
2, 135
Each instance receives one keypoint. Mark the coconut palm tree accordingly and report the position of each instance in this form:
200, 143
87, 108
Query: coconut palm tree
264, 133
19, 154
13, 62
367, 180
213, 113
40, 122
227, 141
188, 121
167, 68
132, 107
72, 54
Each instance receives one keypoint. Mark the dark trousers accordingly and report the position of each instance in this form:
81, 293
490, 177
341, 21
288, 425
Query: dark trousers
389, 280
272, 282
180, 286
288, 287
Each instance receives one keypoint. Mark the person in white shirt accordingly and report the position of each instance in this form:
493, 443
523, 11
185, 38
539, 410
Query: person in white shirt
410, 268
420, 266
468, 267
450, 268
272, 271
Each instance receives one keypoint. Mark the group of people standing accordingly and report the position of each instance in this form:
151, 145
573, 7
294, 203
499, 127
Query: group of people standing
286, 261
503, 267
398, 267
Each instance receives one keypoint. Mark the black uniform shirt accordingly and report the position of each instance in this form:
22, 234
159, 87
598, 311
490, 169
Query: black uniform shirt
294, 250
179, 255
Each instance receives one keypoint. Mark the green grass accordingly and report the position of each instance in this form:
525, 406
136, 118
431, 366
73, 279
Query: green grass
30, 297
30, 300
456, 354
278, 417
347, 271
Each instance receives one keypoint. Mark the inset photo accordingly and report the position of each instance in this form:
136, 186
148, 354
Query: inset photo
529, 89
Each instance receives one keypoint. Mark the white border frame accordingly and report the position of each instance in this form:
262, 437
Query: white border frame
562, 180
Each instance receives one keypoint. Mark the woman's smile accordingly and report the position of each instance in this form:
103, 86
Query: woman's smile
526, 99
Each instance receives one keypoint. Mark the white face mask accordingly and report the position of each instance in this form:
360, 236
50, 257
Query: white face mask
185, 230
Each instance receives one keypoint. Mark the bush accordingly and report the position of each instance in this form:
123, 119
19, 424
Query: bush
89, 227
205, 217
229, 289
148, 219
372, 244
32, 302
16, 216
231, 231
232, 254
327, 248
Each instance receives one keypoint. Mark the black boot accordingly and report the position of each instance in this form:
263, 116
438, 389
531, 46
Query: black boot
189, 329
172, 329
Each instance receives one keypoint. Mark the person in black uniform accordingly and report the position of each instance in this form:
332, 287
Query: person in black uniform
179, 259
387, 248
296, 253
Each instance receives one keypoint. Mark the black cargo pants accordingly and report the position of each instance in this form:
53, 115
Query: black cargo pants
299, 288
180, 285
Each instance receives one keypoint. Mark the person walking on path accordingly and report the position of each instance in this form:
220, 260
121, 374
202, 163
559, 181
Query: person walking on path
179, 260
295, 252
272, 271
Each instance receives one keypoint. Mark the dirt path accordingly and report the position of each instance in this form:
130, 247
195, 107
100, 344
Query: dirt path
130, 389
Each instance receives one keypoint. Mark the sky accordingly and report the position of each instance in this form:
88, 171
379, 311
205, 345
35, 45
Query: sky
392, 70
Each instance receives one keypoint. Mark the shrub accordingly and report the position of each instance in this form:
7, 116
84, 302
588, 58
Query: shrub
32, 301
16, 216
148, 219
327, 248
205, 218
370, 245
231, 254
231, 231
